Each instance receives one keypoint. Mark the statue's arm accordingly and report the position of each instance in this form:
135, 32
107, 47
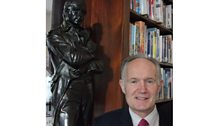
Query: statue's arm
64, 50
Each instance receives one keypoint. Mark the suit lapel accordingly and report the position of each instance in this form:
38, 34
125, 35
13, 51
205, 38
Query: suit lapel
162, 122
165, 114
125, 118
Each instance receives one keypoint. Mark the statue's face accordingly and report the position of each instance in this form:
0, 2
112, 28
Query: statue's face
74, 14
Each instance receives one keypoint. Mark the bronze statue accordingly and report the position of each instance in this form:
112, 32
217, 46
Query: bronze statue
74, 64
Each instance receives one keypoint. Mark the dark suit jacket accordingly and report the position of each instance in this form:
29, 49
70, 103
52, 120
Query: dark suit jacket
122, 117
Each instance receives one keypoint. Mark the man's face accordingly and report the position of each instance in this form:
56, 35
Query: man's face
74, 14
140, 86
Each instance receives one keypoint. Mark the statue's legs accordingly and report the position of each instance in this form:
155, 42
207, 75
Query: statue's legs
87, 103
77, 104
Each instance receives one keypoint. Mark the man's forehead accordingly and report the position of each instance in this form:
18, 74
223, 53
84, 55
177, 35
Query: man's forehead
141, 61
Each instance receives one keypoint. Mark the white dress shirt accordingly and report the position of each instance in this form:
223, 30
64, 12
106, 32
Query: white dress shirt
152, 118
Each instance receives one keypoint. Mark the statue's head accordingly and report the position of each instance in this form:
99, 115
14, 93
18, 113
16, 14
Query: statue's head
74, 11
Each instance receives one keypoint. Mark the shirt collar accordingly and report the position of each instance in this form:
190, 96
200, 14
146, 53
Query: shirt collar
152, 118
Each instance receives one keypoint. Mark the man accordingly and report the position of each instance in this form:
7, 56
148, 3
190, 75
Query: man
140, 82
72, 57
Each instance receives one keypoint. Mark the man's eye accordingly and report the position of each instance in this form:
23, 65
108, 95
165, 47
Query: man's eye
150, 81
133, 81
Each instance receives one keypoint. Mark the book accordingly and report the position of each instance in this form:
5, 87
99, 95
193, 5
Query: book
168, 16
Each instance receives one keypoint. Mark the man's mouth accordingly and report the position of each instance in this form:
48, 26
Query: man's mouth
141, 98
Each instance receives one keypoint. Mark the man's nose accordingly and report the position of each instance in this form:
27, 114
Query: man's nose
142, 86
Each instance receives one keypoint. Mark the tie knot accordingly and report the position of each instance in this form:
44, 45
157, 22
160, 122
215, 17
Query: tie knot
143, 122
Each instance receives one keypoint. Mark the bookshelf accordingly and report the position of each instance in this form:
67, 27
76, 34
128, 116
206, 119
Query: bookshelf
151, 20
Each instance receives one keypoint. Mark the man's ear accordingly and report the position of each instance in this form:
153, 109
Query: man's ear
121, 82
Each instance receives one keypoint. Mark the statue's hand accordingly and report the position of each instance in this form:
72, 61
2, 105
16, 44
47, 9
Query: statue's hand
95, 67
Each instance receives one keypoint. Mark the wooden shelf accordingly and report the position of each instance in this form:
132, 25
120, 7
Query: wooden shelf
164, 100
168, 2
167, 65
149, 22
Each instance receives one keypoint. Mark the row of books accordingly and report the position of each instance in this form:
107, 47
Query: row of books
148, 41
154, 9
166, 91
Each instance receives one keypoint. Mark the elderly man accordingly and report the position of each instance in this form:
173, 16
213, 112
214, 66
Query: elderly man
140, 82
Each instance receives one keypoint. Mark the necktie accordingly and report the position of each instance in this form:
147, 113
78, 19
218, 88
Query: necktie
143, 122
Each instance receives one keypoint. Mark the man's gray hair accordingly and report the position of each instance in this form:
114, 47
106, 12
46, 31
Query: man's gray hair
131, 58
